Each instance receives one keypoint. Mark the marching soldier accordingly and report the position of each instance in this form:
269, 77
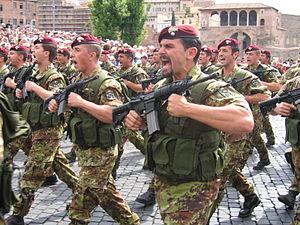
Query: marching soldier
3, 59
64, 65
205, 61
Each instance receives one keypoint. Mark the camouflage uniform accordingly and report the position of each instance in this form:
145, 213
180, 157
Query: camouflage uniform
290, 73
209, 68
3, 71
95, 185
237, 150
138, 74
67, 71
183, 198
108, 66
44, 156
293, 138
266, 74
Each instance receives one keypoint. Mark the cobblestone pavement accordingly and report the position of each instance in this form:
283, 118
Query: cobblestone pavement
50, 202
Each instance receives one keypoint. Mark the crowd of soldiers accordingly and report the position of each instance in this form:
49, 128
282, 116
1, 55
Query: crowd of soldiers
203, 140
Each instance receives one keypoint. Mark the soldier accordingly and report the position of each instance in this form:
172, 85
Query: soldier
96, 138
64, 65
155, 63
237, 150
44, 155
214, 56
106, 64
269, 79
144, 63
204, 61
185, 154
3, 59
292, 128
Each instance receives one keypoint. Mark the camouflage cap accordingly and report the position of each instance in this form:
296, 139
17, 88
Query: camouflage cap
19, 48
3, 51
252, 48
85, 39
179, 31
45, 40
228, 42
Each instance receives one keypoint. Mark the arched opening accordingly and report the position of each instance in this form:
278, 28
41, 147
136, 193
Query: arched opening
243, 37
224, 18
252, 18
243, 18
262, 22
214, 20
233, 18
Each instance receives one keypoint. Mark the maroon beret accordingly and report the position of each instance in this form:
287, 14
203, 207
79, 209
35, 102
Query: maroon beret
63, 51
4, 51
268, 53
105, 52
206, 49
126, 51
228, 42
85, 39
179, 31
214, 50
19, 48
252, 48
45, 40
155, 50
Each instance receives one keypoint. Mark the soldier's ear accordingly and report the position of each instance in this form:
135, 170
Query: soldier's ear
191, 52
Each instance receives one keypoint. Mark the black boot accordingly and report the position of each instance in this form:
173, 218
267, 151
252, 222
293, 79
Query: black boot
261, 164
251, 201
148, 198
289, 158
289, 198
15, 220
49, 181
71, 156
270, 143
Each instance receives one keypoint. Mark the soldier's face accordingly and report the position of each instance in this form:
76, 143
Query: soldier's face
80, 57
13, 58
155, 57
204, 58
264, 59
252, 57
124, 60
39, 53
173, 57
225, 56
61, 59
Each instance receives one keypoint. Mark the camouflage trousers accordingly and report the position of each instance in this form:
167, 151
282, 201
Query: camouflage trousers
187, 203
95, 187
135, 138
268, 129
258, 142
236, 157
2, 221
295, 185
44, 158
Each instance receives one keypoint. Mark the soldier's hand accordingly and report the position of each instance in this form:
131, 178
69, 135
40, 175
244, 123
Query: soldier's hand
75, 100
19, 93
52, 107
30, 86
284, 109
149, 88
176, 105
9, 82
133, 121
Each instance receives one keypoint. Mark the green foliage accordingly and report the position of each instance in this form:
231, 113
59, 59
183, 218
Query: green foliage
119, 19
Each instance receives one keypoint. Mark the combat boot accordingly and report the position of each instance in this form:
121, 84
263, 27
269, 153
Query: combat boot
261, 164
15, 220
71, 156
289, 198
289, 158
49, 181
147, 198
251, 201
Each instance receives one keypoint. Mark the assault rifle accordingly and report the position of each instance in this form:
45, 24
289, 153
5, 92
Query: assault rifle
3, 79
147, 103
292, 96
61, 97
152, 80
26, 76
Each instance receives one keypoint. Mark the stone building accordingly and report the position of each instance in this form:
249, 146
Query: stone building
18, 12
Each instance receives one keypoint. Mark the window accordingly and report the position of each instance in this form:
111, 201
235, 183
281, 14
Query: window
262, 22
224, 18
252, 18
243, 18
21, 6
233, 18
21, 22
1, 8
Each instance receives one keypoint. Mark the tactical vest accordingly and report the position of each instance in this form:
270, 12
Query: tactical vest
292, 127
87, 131
33, 112
185, 150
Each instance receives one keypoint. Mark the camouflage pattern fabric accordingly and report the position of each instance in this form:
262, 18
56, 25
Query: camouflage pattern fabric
209, 69
108, 66
290, 73
44, 156
1, 140
95, 183
268, 129
67, 71
3, 71
185, 203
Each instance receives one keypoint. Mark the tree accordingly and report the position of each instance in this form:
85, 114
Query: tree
107, 16
132, 28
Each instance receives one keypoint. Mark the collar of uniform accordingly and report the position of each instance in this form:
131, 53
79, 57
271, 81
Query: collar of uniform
231, 75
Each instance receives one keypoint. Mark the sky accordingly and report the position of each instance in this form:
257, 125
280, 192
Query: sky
284, 6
